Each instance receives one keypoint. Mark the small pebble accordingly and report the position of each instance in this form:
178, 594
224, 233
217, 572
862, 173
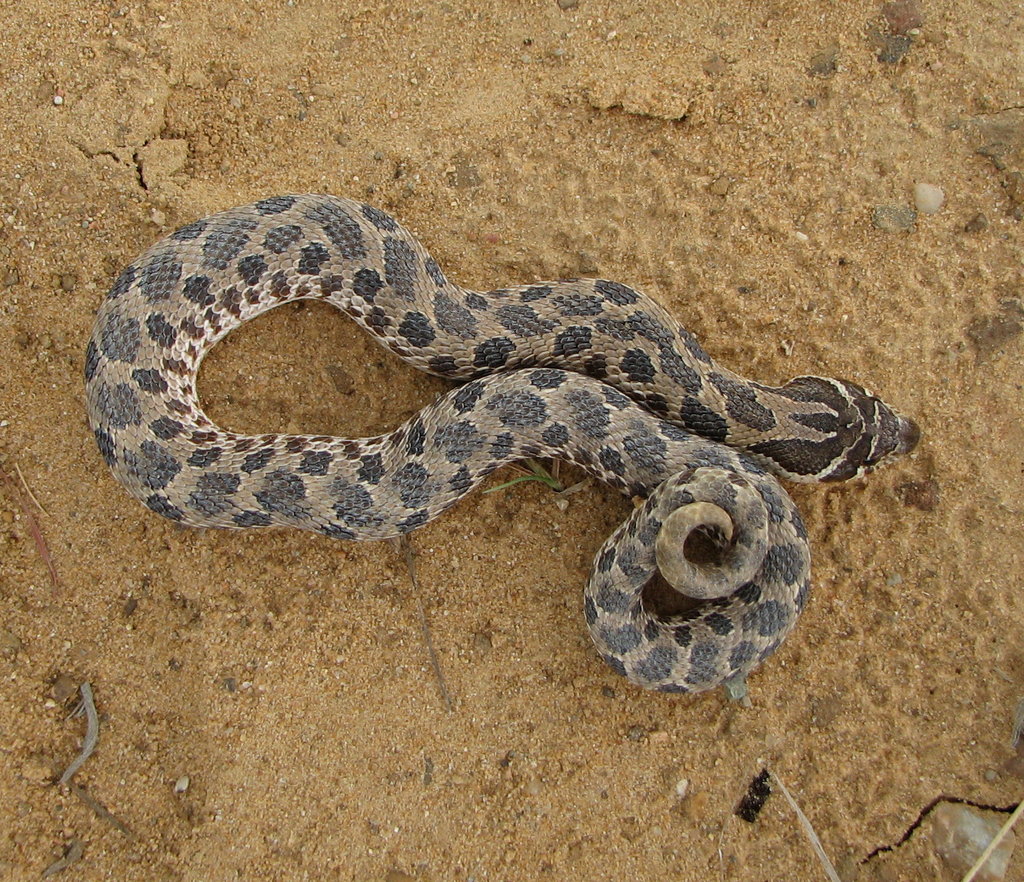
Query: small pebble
736, 689
824, 63
181, 785
893, 48
928, 198
720, 186
893, 218
976, 224
960, 834
10, 644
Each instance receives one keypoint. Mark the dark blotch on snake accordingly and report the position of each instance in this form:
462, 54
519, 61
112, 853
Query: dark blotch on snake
252, 519
465, 399
411, 481
119, 338
535, 292
611, 460
657, 665
166, 428
222, 246
616, 292
200, 459
620, 639
252, 268
257, 460
767, 618
381, 220
156, 467
458, 441
197, 289
523, 321
572, 341
416, 437
555, 436
454, 318
400, 268
416, 328
280, 239
162, 506
575, 304
119, 405
518, 409
344, 231
493, 353
353, 504
275, 204
280, 492
160, 330
122, 283
312, 257
315, 462
189, 232
106, 445
92, 360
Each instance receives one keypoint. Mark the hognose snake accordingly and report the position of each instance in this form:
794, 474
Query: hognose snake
590, 371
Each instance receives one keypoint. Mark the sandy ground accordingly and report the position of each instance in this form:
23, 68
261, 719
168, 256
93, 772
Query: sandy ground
267, 707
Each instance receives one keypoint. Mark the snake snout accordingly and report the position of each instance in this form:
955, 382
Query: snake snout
908, 435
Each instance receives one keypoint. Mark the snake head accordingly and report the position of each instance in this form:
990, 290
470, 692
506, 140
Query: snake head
856, 431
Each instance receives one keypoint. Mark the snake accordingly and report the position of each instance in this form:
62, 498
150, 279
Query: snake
590, 371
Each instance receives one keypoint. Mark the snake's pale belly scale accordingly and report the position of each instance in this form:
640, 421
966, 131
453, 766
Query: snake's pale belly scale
588, 370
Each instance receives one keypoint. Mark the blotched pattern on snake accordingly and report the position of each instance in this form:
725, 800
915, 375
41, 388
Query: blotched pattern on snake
590, 371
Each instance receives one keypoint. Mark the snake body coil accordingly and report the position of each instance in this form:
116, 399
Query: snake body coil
589, 370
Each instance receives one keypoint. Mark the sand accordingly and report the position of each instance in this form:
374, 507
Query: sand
267, 708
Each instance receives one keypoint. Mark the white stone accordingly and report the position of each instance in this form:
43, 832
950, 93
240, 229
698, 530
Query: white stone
928, 198
959, 836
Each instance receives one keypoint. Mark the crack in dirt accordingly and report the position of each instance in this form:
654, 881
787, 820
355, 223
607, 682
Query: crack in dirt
926, 811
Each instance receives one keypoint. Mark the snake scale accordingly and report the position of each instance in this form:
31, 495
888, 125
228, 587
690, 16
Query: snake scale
590, 371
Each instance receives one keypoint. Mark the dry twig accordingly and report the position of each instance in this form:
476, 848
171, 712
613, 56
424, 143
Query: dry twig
33, 524
92, 734
72, 855
410, 563
101, 810
830, 871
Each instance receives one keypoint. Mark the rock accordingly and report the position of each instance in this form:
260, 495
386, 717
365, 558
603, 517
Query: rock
893, 218
902, 16
991, 334
824, 63
922, 495
960, 834
892, 48
568, 4
928, 198
976, 224
721, 185
10, 643
64, 687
